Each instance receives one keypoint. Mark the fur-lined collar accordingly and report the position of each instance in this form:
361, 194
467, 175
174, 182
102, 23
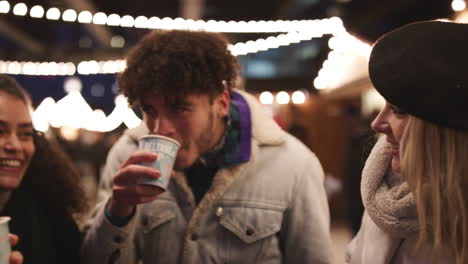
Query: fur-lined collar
264, 129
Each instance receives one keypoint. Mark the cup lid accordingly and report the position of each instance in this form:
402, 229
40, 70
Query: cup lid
159, 136
4, 219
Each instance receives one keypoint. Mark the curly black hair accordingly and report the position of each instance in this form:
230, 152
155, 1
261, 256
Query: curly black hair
177, 63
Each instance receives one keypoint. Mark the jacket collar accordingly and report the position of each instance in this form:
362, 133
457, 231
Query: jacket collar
265, 131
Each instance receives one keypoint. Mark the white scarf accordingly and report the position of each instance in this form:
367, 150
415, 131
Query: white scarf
387, 198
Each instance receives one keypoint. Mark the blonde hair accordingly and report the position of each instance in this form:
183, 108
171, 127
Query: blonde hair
434, 161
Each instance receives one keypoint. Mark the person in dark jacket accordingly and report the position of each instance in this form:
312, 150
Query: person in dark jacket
39, 187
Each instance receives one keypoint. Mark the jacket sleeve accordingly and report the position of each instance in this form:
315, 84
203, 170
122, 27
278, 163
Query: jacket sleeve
305, 233
106, 243
118, 154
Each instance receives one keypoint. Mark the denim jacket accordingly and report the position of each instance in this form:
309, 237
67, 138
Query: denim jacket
271, 209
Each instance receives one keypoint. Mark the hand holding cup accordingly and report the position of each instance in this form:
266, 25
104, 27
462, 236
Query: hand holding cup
166, 149
144, 176
8, 240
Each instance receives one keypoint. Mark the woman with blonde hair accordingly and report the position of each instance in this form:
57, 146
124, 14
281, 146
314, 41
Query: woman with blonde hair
415, 180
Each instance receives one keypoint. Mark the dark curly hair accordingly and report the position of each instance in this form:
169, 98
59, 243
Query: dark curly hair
51, 176
177, 63
55, 181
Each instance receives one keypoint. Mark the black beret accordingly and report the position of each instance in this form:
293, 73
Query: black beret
422, 68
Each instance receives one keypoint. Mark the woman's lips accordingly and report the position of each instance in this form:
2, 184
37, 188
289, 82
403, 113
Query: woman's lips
10, 165
9, 169
395, 150
394, 146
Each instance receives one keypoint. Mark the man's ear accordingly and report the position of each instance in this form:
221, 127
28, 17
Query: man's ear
222, 102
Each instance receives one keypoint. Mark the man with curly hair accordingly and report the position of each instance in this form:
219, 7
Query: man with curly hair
243, 189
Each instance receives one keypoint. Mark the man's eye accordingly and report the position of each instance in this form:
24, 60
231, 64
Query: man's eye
180, 109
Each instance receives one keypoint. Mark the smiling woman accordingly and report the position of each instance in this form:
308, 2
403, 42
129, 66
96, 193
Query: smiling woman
39, 187
415, 180
16, 141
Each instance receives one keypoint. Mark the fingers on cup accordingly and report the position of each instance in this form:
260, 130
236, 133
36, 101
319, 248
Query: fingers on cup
140, 156
131, 174
13, 239
16, 257
136, 193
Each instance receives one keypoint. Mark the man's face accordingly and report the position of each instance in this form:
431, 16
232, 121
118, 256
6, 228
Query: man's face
195, 121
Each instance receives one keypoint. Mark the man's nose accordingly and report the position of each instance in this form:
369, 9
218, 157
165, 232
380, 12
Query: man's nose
163, 126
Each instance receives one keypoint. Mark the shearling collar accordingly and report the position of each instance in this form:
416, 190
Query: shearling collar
264, 129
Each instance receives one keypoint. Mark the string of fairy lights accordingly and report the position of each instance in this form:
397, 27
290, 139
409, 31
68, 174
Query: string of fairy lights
458, 5
74, 111
291, 32
101, 18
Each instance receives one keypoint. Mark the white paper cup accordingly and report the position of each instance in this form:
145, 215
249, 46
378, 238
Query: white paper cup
166, 148
5, 247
